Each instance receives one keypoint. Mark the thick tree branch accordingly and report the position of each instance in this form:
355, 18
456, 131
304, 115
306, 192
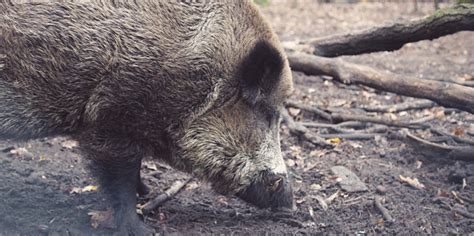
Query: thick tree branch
392, 37
445, 94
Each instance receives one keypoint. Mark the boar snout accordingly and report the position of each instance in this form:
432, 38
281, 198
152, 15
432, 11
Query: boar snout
269, 191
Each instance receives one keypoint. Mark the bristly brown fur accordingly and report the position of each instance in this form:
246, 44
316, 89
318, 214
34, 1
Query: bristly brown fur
197, 84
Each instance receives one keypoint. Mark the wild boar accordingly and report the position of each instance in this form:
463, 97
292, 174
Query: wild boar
196, 84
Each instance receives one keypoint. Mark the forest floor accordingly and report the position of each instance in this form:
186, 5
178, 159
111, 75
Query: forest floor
40, 180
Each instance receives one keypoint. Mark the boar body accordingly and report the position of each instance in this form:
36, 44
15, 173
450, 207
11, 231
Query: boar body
196, 85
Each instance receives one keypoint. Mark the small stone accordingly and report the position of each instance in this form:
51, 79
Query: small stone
349, 181
381, 189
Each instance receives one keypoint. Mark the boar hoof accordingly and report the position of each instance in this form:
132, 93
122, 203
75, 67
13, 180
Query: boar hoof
142, 189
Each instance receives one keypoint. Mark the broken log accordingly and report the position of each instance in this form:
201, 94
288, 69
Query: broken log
445, 94
393, 37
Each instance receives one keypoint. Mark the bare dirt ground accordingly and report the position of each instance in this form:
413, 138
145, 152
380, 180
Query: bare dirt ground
36, 187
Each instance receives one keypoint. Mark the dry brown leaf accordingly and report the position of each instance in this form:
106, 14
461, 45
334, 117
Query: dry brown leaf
458, 131
412, 182
443, 193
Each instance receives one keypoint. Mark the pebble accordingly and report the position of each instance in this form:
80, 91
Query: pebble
381, 189
349, 181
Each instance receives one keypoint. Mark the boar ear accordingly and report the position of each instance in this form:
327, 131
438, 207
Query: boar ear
260, 71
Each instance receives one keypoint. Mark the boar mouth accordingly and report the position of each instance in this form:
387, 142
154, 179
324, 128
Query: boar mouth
269, 191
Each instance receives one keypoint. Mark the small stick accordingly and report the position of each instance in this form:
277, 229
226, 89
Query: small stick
465, 153
423, 104
382, 209
164, 197
352, 136
453, 137
303, 131
372, 119
423, 120
463, 212
319, 112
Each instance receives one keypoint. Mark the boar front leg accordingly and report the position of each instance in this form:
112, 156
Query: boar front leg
117, 167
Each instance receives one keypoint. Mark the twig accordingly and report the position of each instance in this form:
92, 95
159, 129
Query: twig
300, 130
319, 112
352, 117
353, 136
401, 106
463, 212
465, 153
453, 137
382, 209
423, 120
164, 197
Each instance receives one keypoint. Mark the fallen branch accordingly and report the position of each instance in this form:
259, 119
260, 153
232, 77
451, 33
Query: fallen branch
453, 137
416, 105
462, 211
465, 153
164, 197
304, 132
377, 120
393, 37
445, 94
386, 215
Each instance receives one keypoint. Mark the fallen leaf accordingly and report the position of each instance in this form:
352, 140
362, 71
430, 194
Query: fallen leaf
192, 185
443, 193
466, 77
315, 186
290, 163
335, 140
458, 131
296, 151
300, 200
317, 153
294, 111
88, 188
69, 144
412, 182
418, 164
21, 152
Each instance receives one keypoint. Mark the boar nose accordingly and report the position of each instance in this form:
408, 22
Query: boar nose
269, 191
